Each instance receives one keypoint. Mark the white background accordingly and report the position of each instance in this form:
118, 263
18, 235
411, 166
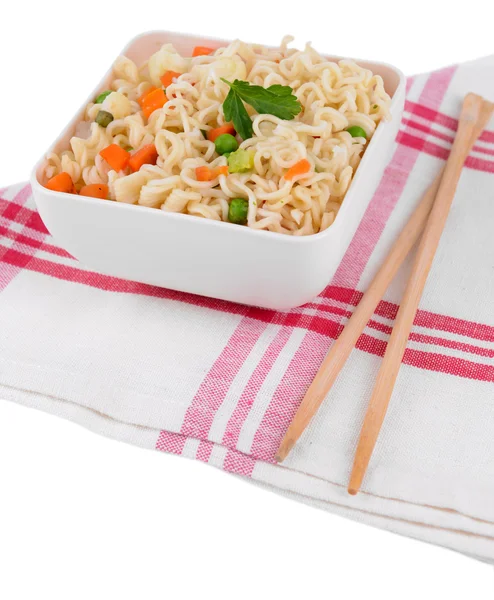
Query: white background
86, 517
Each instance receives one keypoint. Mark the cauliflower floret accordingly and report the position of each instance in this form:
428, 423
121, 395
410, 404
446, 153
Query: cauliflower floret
118, 105
166, 59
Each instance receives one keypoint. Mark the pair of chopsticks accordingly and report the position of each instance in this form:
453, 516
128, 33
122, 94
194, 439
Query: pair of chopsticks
430, 217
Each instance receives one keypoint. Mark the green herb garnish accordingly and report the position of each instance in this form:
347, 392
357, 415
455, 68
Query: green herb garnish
235, 111
277, 100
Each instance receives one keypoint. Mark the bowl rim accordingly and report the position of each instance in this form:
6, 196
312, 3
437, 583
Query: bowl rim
291, 239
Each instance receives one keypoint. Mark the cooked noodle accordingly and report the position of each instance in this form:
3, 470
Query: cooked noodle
334, 96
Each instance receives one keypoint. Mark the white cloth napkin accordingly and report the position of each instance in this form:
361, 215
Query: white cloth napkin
220, 382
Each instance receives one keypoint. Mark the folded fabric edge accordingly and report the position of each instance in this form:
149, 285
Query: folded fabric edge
415, 531
415, 521
164, 437
24, 378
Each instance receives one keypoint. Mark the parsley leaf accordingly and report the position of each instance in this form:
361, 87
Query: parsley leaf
277, 100
281, 90
236, 112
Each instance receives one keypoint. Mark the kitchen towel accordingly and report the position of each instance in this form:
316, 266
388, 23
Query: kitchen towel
220, 382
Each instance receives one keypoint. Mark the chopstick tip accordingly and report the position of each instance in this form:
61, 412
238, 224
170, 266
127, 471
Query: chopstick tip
284, 449
355, 480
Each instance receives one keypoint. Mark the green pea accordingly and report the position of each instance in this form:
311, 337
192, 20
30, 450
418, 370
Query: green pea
225, 143
357, 131
102, 96
104, 118
226, 155
237, 211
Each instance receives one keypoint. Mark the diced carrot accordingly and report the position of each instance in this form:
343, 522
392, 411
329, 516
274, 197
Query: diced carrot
214, 133
115, 156
202, 51
147, 155
152, 101
204, 174
168, 77
146, 93
223, 170
61, 183
95, 190
300, 168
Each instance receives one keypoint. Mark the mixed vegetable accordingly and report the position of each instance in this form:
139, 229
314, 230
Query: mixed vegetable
277, 100
225, 144
212, 134
240, 161
101, 98
202, 51
61, 183
300, 168
118, 159
357, 132
169, 77
237, 211
95, 190
104, 118
152, 100
207, 174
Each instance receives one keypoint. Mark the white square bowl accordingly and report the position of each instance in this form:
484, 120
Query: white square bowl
207, 257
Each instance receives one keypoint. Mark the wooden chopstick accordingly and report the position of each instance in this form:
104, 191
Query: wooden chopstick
475, 114
343, 346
